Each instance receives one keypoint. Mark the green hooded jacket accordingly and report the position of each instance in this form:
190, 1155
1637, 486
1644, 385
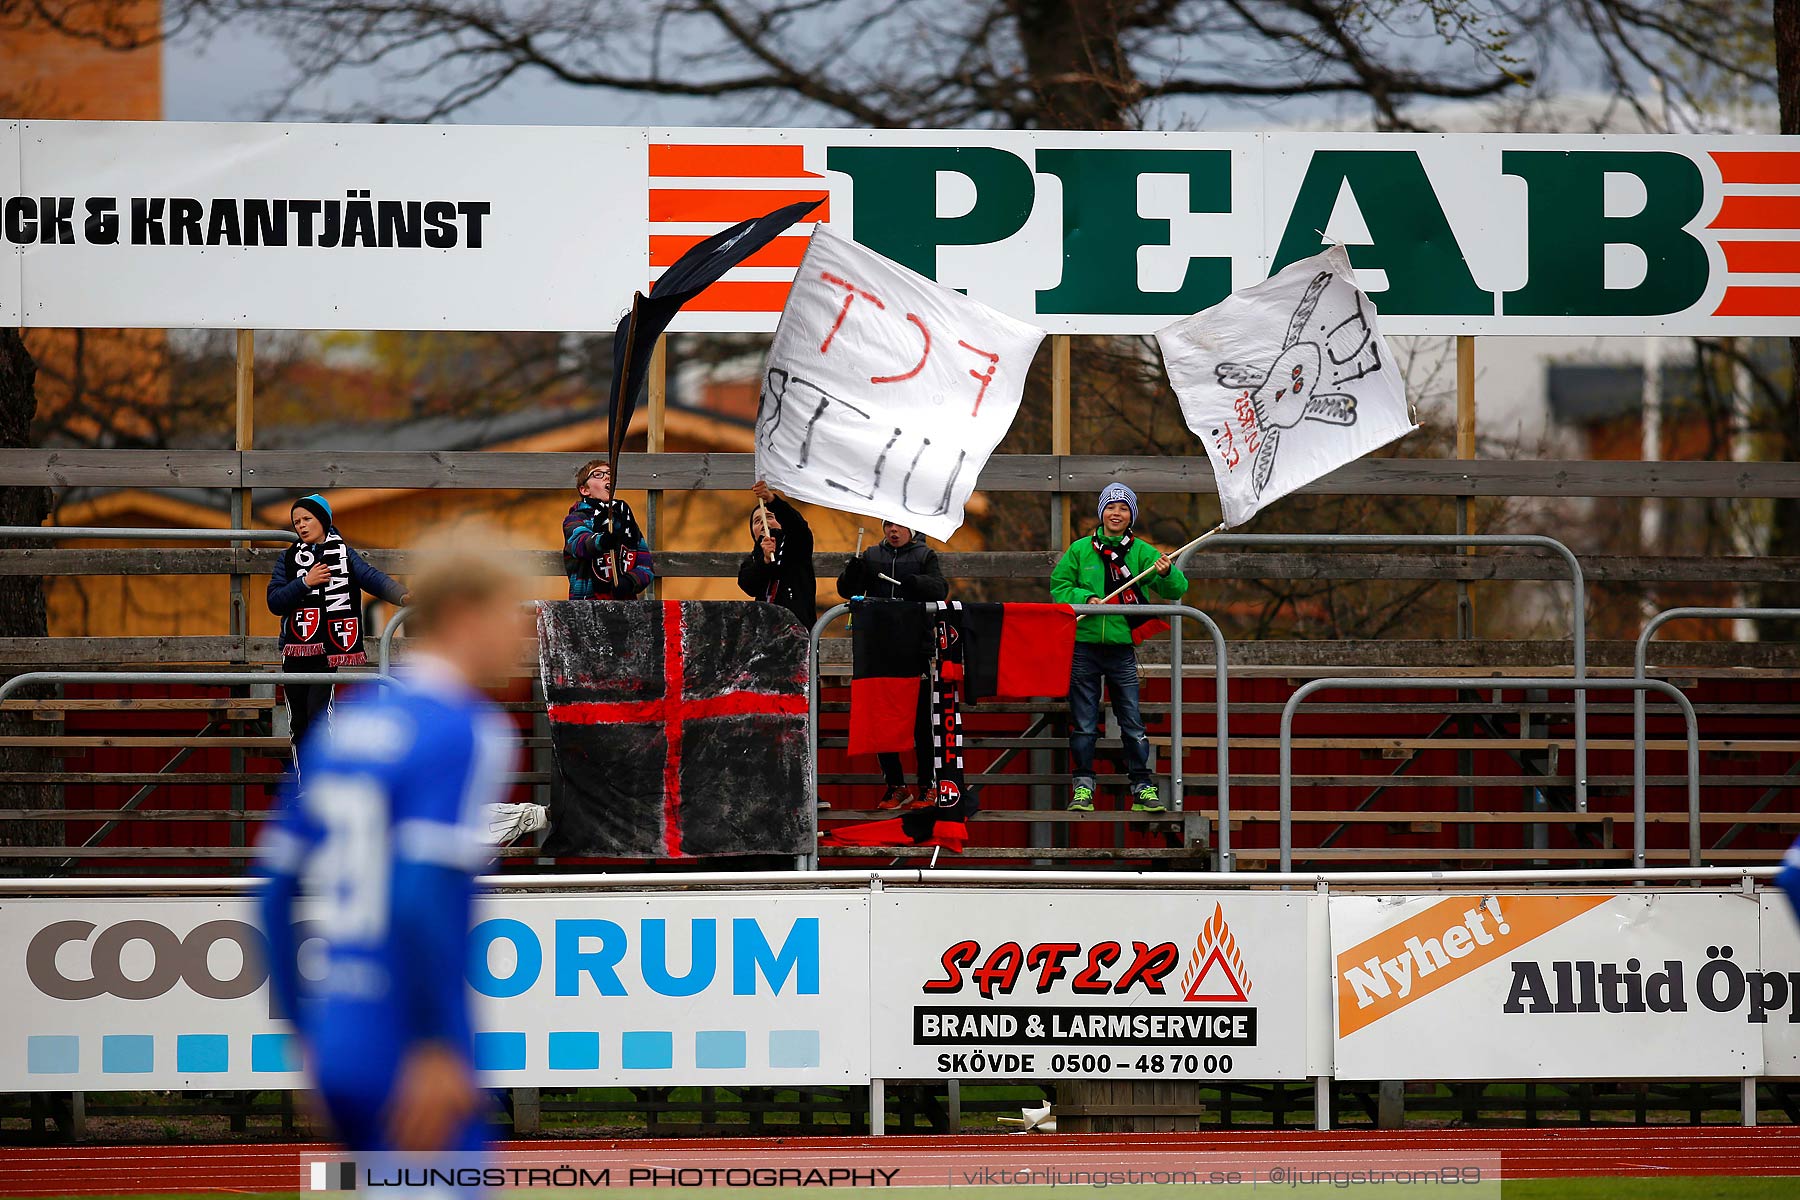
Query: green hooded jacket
1081, 577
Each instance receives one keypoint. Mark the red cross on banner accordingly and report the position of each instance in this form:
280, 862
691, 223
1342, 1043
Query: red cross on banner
679, 728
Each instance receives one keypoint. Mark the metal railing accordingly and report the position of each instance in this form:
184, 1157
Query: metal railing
189, 678
1480, 683
1221, 703
1640, 669
129, 534
1577, 599
1447, 881
384, 650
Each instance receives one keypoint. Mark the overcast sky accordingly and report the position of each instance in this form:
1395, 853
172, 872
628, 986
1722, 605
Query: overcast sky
234, 75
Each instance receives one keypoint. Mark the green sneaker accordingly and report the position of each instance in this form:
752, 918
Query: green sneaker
1083, 800
1145, 799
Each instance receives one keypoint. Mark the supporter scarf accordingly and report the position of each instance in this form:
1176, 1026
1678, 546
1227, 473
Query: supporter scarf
330, 620
617, 562
1117, 572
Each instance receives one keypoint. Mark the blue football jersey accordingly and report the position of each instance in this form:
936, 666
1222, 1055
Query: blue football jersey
384, 832
1788, 878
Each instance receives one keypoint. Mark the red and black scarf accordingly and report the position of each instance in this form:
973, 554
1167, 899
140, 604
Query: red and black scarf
1118, 571
330, 620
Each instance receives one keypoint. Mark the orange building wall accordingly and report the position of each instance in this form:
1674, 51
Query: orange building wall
46, 74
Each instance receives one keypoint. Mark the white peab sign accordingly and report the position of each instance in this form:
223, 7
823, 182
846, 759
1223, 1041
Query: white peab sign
312, 226
884, 392
1093, 984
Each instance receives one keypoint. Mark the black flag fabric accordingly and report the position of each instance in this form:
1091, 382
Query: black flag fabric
679, 729
702, 266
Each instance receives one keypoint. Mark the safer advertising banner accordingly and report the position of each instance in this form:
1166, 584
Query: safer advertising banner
591, 990
1543, 985
470, 227
1089, 984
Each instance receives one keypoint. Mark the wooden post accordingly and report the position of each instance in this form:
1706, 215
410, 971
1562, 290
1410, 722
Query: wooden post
244, 437
1465, 449
658, 397
242, 508
1465, 604
1060, 533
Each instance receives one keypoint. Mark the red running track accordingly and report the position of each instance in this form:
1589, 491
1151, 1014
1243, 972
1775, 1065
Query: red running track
1524, 1154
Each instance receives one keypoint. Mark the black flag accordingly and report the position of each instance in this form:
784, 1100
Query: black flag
691, 274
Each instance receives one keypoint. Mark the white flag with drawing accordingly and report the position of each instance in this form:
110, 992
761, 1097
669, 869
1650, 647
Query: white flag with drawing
885, 392
1286, 382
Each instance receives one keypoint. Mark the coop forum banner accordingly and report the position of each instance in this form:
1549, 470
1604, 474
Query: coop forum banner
166, 224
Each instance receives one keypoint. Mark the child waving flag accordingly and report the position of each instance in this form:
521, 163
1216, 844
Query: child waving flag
1092, 568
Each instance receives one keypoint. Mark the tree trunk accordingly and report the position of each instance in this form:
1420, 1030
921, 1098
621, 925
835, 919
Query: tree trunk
1084, 78
21, 599
1785, 534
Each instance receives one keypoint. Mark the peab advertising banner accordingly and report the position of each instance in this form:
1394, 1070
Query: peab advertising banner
1091, 984
583, 991
1642, 984
167, 224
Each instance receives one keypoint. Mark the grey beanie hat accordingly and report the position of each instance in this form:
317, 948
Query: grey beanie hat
1118, 491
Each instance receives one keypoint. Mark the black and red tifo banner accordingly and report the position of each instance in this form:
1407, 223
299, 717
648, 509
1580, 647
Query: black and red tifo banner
678, 728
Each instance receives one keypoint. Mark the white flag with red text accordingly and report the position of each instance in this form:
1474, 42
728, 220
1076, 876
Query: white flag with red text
885, 392
1286, 381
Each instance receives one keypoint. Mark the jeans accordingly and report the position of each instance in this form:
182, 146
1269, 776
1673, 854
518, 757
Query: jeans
308, 703
1117, 665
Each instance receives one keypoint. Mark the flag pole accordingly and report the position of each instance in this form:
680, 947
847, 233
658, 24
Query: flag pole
1147, 571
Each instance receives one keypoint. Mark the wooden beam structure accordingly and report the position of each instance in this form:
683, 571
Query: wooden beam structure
57, 467
979, 564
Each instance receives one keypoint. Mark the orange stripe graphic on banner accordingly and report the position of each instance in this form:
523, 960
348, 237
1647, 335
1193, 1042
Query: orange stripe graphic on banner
1440, 945
665, 248
729, 204
1758, 212
1758, 166
1764, 258
1759, 302
730, 162
741, 296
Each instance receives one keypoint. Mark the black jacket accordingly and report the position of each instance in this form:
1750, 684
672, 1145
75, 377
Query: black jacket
792, 581
915, 565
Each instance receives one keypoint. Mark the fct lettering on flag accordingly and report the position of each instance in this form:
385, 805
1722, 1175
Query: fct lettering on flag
884, 392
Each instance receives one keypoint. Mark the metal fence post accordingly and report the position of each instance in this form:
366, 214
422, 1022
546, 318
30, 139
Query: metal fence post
1640, 669
1577, 606
1175, 612
1662, 687
812, 724
1176, 750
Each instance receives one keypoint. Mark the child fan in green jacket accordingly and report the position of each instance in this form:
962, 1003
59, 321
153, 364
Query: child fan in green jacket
1092, 568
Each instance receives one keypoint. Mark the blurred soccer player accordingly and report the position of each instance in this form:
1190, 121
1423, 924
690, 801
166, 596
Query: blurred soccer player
386, 833
1788, 878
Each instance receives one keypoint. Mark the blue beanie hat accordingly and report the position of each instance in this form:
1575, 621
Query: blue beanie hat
1114, 492
317, 506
